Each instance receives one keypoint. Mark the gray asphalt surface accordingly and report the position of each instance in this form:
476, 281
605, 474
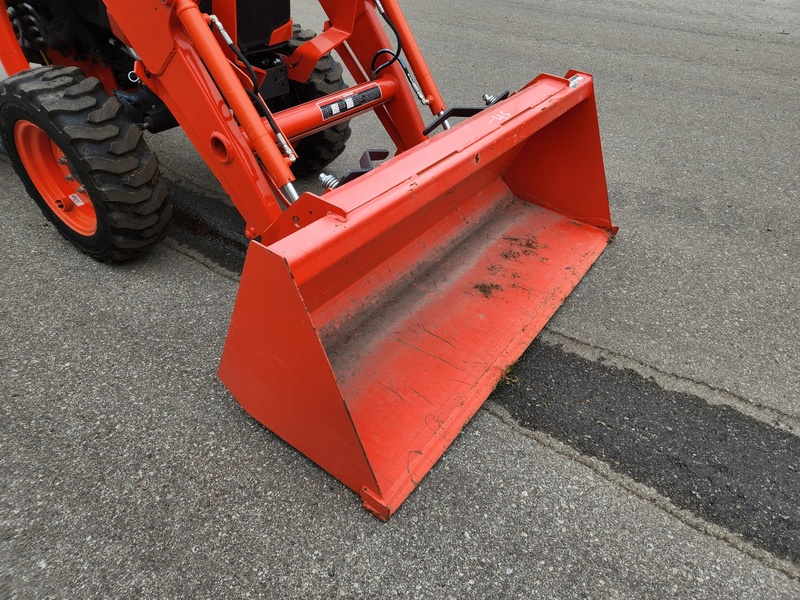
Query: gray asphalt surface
127, 470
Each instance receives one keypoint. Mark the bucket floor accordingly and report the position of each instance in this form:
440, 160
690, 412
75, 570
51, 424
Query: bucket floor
419, 367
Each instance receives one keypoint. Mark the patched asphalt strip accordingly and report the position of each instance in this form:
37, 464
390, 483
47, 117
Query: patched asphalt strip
209, 226
727, 468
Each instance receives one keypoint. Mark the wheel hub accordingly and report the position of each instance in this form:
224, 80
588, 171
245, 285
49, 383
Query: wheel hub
50, 171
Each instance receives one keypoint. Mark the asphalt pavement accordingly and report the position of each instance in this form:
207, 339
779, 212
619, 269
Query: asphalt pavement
645, 446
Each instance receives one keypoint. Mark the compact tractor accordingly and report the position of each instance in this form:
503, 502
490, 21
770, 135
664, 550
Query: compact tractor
375, 316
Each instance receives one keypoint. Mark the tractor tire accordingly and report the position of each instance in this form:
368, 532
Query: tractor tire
318, 150
83, 162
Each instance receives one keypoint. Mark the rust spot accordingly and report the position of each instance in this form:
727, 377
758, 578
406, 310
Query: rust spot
510, 254
487, 289
494, 269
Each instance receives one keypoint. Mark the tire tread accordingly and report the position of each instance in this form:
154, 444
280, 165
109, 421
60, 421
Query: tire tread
121, 170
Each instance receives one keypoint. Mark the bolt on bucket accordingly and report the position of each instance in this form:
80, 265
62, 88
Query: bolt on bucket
373, 322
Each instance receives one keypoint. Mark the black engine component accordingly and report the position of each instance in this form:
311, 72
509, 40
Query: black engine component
144, 107
276, 80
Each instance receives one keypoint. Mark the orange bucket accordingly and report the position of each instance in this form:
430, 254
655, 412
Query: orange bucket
372, 322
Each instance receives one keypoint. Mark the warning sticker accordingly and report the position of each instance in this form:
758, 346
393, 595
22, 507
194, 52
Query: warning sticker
350, 102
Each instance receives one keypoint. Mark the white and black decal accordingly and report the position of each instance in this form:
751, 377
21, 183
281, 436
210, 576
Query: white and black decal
350, 102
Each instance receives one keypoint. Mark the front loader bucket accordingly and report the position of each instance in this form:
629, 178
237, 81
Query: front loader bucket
372, 323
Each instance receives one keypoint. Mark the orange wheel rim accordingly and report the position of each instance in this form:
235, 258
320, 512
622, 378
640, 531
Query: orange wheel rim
50, 172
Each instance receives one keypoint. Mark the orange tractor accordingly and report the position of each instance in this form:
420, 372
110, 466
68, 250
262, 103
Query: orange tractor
375, 316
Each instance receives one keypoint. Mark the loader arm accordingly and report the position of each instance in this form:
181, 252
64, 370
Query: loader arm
182, 61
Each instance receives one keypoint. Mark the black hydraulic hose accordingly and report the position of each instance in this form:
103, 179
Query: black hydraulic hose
255, 97
394, 53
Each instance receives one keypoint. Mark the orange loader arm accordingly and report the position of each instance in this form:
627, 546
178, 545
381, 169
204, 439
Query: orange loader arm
183, 62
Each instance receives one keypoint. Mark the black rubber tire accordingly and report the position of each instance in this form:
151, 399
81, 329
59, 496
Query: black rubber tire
318, 150
105, 151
